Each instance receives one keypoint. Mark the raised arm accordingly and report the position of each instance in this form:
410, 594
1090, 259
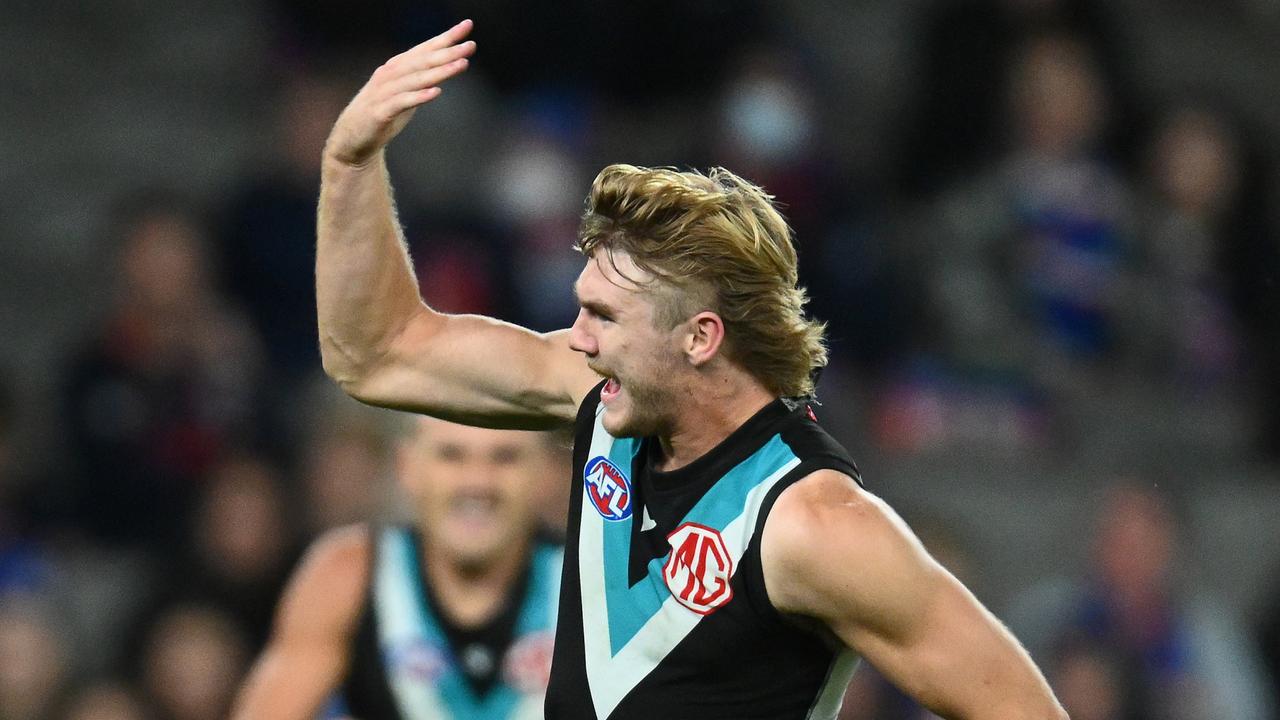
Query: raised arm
837, 554
309, 650
377, 338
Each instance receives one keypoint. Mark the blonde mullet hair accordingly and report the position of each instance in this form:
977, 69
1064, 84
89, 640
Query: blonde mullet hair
717, 243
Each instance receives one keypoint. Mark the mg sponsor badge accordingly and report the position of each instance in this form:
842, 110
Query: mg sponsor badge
698, 568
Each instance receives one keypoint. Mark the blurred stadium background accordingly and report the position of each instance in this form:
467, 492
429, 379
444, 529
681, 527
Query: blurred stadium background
1042, 232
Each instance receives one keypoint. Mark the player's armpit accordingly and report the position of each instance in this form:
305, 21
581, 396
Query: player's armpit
835, 553
307, 655
479, 371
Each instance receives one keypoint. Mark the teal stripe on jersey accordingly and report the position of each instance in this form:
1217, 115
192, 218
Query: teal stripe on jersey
541, 599
452, 689
630, 607
726, 499
401, 623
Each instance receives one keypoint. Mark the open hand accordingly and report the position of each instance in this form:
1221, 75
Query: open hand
386, 103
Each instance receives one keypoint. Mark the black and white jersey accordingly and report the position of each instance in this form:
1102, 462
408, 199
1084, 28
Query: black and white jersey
663, 609
411, 663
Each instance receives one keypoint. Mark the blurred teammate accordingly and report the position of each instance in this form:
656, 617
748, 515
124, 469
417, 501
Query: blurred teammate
450, 618
723, 559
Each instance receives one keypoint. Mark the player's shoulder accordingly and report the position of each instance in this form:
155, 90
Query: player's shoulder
331, 582
342, 554
819, 527
825, 496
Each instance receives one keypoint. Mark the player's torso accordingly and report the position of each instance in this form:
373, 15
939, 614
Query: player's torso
663, 607
409, 664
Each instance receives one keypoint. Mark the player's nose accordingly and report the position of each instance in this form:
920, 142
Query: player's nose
580, 339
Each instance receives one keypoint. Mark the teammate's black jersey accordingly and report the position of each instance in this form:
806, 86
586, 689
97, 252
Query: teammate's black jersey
410, 663
663, 609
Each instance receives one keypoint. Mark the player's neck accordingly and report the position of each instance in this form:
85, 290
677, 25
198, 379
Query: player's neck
472, 595
710, 413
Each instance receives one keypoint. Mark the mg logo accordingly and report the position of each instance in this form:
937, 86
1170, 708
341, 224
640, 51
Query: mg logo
698, 568
527, 666
608, 489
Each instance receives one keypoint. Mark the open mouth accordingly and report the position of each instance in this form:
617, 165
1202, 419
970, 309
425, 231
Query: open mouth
611, 390
473, 507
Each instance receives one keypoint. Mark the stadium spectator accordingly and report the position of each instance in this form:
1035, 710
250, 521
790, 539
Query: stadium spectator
25, 565
193, 656
106, 700
953, 125
1027, 266
1175, 653
241, 546
169, 380
34, 660
266, 233
346, 467
1187, 324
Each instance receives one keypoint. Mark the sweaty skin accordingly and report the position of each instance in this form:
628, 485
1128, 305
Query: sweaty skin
831, 551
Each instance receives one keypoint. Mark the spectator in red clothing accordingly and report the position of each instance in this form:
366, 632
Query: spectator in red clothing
168, 381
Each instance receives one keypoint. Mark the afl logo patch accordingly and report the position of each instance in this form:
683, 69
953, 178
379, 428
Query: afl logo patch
416, 660
608, 489
698, 568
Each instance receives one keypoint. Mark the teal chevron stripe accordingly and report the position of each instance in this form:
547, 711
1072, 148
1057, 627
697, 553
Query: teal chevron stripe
725, 501
630, 607
542, 596
452, 687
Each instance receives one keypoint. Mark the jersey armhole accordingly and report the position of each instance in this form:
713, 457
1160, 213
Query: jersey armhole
364, 689
757, 593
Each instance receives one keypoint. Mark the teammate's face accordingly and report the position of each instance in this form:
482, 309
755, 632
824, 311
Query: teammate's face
472, 487
615, 329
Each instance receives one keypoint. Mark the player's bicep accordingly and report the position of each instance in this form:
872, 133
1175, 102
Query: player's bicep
843, 557
948, 653
480, 371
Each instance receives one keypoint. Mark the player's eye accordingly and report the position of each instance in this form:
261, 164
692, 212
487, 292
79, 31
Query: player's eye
597, 314
505, 456
449, 453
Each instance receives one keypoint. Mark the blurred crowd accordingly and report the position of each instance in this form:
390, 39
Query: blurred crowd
1043, 259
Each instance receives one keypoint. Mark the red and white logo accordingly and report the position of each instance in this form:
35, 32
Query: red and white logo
527, 666
698, 568
608, 489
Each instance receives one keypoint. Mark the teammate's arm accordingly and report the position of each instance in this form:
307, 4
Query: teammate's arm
307, 656
834, 552
377, 338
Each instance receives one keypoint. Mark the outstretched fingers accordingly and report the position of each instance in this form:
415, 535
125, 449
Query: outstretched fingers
386, 103
431, 77
413, 78
451, 38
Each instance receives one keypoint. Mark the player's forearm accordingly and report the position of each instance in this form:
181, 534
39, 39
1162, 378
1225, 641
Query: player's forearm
366, 292
1009, 687
279, 690
1040, 707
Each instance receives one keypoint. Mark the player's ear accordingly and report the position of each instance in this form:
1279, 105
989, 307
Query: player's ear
703, 340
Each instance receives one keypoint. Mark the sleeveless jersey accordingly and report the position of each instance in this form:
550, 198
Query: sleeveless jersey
404, 667
663, 608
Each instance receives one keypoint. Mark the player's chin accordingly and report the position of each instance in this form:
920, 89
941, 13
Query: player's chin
616, 420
